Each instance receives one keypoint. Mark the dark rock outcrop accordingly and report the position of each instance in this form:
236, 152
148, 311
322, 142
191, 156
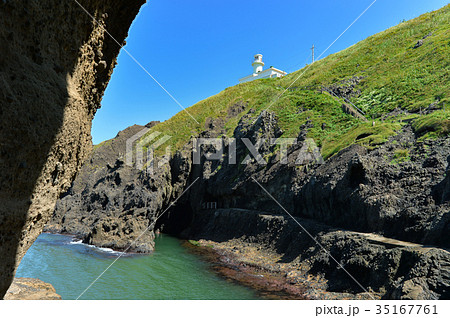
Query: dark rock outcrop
441, 192
358, 190
55, 63
111, 204
345, 88
399, 270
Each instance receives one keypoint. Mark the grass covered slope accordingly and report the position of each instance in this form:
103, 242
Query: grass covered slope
405, 67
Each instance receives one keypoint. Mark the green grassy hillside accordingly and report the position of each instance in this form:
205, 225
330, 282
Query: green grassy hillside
394, 75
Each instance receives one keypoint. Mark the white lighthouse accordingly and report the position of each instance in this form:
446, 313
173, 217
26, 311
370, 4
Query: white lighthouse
258, 71
257, 64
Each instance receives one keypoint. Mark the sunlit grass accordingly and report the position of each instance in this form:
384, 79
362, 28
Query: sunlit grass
395, 75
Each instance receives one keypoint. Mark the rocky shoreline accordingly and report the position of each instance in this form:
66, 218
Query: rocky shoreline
385, 267
251, 266
31, 289
340, 202
270, 284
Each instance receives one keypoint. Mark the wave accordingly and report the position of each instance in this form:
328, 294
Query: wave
103, 249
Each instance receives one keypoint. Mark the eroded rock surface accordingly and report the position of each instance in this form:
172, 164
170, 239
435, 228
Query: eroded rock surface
388, 268
358, 190
55, 63
115, 205
31, 289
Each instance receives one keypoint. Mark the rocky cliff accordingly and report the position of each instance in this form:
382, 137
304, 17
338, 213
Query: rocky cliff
378, 202
55, 63
389, 177
359, 190
111, 204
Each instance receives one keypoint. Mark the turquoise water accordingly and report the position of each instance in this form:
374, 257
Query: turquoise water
171, 272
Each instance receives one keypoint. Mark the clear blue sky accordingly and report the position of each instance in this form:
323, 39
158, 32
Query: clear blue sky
197, 48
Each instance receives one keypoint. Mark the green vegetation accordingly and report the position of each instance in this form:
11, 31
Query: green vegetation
394, 75
364, 134
400, 155
195, 243
436, 124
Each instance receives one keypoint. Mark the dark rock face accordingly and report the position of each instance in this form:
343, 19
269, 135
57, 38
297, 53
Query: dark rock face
400, 269
441, 192
55, 63
345, 88
114, 205
358, 190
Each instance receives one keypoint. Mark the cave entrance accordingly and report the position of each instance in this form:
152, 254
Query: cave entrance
176, 219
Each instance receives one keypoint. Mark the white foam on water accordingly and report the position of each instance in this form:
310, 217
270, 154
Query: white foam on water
108, 250
103, 249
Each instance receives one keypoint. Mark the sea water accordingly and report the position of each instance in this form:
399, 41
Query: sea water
171, 272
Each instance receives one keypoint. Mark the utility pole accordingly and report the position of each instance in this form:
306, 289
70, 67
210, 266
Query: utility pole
313, 53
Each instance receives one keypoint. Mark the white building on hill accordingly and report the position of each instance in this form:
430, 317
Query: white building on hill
258, 71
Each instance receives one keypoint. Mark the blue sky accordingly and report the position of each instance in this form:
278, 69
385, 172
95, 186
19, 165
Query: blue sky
197, 48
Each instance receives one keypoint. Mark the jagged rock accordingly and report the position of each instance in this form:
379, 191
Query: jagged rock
236, 109
114, 206
345, 88
31, 289
49, 93
396, 269
418, 44
358, 190
152, 123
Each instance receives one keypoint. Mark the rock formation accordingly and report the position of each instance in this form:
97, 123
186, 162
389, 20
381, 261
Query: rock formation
390, 268
355, 192
118, 202
31, 289
55, 63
